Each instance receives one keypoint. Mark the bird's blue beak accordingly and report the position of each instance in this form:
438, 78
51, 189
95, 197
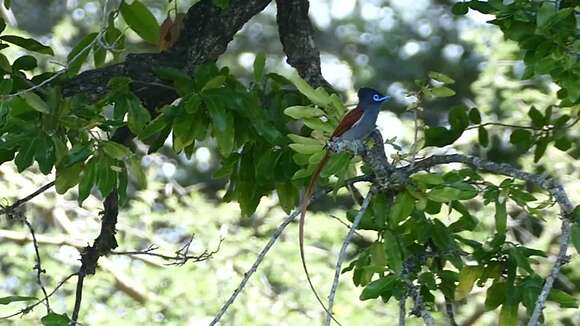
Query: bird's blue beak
384, 99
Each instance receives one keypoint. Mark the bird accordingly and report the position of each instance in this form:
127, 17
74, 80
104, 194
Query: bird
357, 124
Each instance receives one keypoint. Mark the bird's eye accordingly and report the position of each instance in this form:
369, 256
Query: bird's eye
376, 98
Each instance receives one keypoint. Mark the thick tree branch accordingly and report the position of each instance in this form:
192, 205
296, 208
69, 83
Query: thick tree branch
296, 35
206, 34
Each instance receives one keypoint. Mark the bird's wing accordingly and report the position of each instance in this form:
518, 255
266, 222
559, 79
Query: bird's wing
347, 122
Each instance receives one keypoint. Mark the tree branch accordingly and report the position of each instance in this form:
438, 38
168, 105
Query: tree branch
11, 208
342, 254
254, 267
296, 32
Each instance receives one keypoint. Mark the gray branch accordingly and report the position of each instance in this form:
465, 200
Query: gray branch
252, 270
342, 254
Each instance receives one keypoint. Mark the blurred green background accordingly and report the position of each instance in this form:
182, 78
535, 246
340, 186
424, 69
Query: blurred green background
382, 44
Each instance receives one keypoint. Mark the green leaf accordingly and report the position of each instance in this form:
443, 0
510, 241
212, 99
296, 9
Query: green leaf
287, 195
301, 112
25, 155
541, 146
482, 136
402, 207
458, 118
45, 154
215, 82
440, 136
500, 216
537, 117
138, 116
25, 62
496, 295
155, 126
106, 177
564, 299
444, 194
575, 235
474, 116
35, 102
304, 140
54, 319
218, 115
441, 77
318, 124
337, 164
78, 55
522, 138
78, 153
259, 64
136, 171
428, 178
226, 138
15, 298
99, 55
115, 150
467, 277
28, 44
563, 143
87, 180
319, 96
460, 8
508, 315
375, 288
183, 131
521, 259
442, 91
392, 251
378, 255
306, 148
66, 178
141, 20
5, 86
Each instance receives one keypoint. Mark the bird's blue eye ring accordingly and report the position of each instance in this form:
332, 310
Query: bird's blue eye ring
376, 98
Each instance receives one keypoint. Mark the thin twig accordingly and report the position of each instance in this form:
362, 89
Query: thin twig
342, 254
562, 259
29, 308
499, 124
181, 256
450, 312
255, 265
38, 265
419, 308
19, 202
402, 310
78, 299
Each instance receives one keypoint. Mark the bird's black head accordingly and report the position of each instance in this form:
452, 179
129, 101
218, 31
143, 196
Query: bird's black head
370, 97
